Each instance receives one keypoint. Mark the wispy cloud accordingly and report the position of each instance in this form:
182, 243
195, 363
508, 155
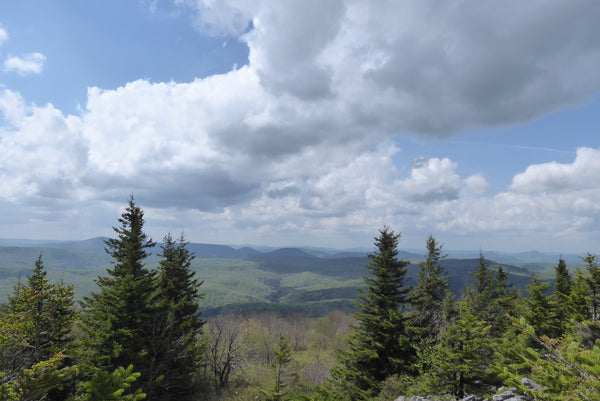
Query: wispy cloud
30, 63
3, 36
514, 146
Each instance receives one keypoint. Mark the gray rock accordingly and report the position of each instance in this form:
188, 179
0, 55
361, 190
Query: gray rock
530, 384
471, 397
508, 395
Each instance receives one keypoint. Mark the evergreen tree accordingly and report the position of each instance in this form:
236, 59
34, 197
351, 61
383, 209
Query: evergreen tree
177, 350
118, 321
504, 303
579, 299
593, 283
465, 357
538, 310
283, 356
563, 280
480, 295
430, 302
561, 370
560, 298
427, 300
35, 339
113, 386
49, 309
379, 346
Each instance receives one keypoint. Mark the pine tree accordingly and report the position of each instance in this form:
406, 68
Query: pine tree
379, 346
465, 356
563, 281
560, 298
177, 349
504, 303
579, 299
479, 296
283, 356
118, 320
427, 300
113, 386
35, 339
49, 309
538, 310
593, 283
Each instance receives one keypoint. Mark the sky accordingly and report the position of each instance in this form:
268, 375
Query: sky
304, 123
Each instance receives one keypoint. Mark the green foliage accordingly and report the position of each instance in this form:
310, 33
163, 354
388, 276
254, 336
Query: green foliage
428, 297
431, 301
176, 349
564, 372
113, 386
464, 358
539, 311
563, 281
480, 294
380, 345
119, 320
579, 299
283, 356
560, 304
490, 297
34, 338
37, 382
47, 310
504, 303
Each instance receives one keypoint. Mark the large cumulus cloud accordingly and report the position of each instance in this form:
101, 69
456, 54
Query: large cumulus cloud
420, 67
300, 138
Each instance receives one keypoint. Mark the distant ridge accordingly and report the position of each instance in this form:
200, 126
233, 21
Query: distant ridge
205, 251
292, 252
248, 279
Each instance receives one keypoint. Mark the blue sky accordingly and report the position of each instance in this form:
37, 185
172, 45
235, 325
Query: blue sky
303, 122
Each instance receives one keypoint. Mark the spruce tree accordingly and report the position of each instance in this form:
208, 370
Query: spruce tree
379, 346
465, 357
177, 349
579, 299
479, 296
427, 301
504, 304
563, 280
36, 341
49, 309
560, 298
538, 310
282, 357
118, 320
593, 283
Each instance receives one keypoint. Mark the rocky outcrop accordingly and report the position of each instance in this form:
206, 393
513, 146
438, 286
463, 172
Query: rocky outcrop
504, 394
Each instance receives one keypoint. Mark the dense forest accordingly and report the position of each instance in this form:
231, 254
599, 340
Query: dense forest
141, 334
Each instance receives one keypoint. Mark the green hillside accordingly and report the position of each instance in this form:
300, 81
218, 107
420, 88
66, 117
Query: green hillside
287, 280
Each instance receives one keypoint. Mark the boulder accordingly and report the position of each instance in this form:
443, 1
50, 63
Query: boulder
530, 384
471, 397
508, 395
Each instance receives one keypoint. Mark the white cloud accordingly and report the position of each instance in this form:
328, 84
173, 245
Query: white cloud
12, 106
584, 172
30, 63
3, 36
43, 156
398, 66
300, 139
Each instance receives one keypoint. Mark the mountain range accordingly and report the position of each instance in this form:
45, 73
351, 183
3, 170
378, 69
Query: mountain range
245, 279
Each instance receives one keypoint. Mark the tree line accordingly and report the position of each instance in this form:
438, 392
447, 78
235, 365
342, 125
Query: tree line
141, 335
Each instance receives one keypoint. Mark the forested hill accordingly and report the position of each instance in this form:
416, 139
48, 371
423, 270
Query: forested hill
245, 279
